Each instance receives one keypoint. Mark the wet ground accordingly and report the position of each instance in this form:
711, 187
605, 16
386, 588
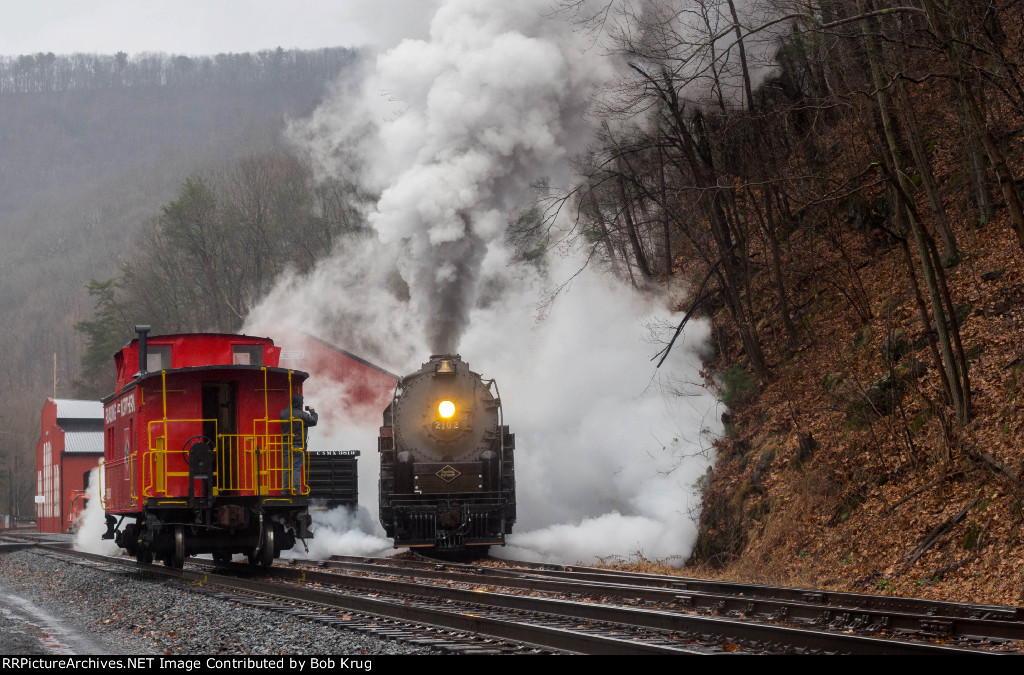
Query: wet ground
26, 629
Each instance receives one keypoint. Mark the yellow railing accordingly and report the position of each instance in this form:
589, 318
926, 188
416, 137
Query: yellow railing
258, 461
100, 489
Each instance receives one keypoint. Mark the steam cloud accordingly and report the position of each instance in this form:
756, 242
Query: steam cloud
92, 522
452, 132
458, 128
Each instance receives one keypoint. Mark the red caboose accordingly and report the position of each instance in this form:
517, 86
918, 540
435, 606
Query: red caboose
195, 451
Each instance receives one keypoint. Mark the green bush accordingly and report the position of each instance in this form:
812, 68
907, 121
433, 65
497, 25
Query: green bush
738, 387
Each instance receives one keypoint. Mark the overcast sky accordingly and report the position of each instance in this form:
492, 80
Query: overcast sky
200, 27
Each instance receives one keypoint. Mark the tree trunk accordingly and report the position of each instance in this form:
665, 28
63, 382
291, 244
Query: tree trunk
606, 236
767, 218
964, 88
976, 165
711, 199
666, 229
743, 57
634, 239
958, 386
924, 168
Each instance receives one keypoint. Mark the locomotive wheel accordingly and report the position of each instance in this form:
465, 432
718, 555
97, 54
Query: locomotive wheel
144, 557
176, 558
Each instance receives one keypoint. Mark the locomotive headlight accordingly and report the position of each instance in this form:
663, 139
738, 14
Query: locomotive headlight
446, 409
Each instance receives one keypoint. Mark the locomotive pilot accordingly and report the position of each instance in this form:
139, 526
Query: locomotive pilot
295, 440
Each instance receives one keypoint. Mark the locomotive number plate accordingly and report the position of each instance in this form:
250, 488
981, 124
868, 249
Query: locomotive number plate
446, 425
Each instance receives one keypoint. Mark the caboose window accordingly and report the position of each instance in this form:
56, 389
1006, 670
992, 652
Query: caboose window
247, 355
158, 357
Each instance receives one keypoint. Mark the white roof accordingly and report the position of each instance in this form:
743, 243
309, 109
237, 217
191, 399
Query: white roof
68, 408
83, 442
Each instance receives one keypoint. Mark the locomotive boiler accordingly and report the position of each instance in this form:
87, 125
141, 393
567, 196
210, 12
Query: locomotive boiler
199, 451
447, 478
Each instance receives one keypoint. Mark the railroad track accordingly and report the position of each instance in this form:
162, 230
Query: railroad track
542, 609
972, 626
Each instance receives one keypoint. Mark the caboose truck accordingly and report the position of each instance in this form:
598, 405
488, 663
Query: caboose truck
194, 451
447, 478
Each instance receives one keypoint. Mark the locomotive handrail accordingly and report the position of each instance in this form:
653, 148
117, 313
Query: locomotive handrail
497, 397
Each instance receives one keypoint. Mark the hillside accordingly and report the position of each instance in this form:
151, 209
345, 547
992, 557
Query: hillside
854, 228
812, 490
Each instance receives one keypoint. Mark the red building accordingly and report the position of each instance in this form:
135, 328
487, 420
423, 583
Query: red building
70, 446
368, 388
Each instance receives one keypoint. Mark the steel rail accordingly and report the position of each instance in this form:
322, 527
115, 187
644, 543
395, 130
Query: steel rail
670, 625
672, 622
940, 608
538, 636
854, 616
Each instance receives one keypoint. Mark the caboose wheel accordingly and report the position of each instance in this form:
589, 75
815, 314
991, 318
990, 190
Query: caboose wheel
266, 557
176, 558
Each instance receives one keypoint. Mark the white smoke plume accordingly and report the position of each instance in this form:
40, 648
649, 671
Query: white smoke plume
460, 126
452, 132
355, 300
92, 522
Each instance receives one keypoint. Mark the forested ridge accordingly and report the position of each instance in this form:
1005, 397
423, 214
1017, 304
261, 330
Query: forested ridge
50, 73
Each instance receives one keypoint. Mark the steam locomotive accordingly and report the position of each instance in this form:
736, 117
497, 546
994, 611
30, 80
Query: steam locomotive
197, 450
447, 478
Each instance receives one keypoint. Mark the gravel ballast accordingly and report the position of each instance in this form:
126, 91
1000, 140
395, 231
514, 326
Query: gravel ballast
125, 613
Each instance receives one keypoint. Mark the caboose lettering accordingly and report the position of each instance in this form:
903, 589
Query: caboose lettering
195, 459
126, 406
